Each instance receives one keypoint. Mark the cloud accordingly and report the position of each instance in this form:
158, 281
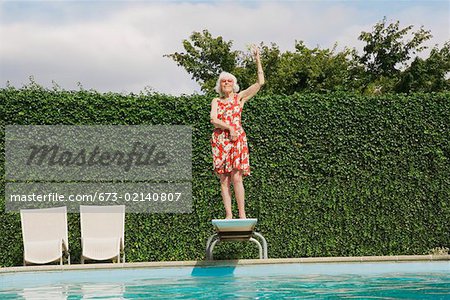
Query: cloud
119, 46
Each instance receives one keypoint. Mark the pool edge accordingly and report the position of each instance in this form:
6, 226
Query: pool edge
157, 264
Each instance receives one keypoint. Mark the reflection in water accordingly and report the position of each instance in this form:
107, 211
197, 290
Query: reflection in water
102, 290
44, 293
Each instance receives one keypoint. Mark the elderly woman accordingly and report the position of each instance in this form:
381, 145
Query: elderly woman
229, 142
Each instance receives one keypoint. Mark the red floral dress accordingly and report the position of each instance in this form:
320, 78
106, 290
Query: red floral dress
227, 154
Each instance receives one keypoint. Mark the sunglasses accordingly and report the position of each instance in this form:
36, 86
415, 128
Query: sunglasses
227, 80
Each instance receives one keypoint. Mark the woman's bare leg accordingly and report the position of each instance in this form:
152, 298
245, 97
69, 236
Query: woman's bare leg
239, 192
226, 195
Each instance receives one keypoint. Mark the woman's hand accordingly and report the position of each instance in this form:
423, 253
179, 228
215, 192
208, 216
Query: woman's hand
251, 91
255, 51
233, 134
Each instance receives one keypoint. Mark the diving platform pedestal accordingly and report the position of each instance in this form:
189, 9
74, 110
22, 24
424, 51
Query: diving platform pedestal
229, 230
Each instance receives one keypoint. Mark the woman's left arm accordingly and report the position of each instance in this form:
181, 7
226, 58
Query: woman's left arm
245, 95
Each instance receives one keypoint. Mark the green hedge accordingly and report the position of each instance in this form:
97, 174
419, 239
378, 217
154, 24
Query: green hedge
332, 174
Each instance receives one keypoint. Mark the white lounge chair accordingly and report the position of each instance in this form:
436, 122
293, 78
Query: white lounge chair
44, 233
102, 232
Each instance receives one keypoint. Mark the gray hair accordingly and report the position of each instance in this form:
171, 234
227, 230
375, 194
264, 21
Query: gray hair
226, 75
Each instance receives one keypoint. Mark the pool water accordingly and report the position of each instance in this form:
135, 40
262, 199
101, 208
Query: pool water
425, 280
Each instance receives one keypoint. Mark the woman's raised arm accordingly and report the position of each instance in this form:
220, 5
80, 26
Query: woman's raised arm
254, 88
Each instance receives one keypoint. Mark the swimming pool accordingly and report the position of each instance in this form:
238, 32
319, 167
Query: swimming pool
411, 280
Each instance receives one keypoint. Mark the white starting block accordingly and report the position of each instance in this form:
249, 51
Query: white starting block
235, 230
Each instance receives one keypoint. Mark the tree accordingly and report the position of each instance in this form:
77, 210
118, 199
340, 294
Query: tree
319, 70
386, 50
205, 58
289, 72
427, 75
382, 67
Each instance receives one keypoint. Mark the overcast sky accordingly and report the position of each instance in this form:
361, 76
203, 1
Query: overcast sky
118, 46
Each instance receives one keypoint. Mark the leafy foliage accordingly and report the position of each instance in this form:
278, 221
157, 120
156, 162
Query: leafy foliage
384, 66
427, 75
385, 47
336, 174
320, 70
205, 58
